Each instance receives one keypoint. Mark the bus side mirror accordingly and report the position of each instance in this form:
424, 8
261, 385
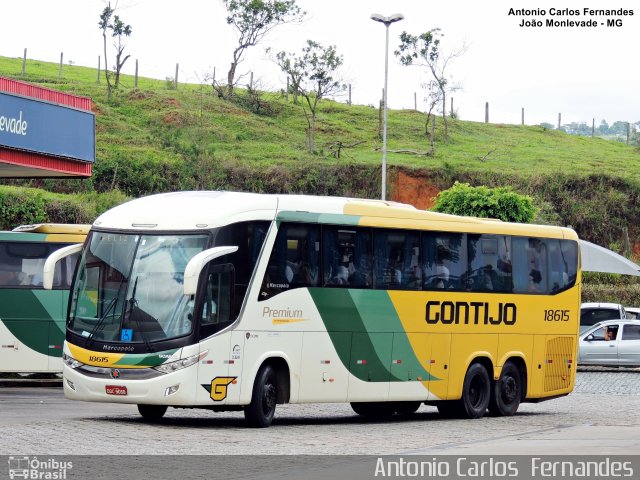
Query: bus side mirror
53, 259
198, 262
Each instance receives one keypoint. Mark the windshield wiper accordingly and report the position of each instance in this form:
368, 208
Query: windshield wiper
113, 302
133, 303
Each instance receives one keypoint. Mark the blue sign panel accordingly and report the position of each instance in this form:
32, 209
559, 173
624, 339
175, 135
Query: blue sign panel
41, 127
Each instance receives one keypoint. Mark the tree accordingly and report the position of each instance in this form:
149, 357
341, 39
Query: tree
252, 20
603, 129
425, 51
501, 203
314, 72
289, 64
113, 26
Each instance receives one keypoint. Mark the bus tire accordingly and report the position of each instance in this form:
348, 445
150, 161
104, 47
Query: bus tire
476, 392
407, 408
507, 391
259, 413
374, 410
152, 413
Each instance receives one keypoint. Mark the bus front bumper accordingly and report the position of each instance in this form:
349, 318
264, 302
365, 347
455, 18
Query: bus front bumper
176, 388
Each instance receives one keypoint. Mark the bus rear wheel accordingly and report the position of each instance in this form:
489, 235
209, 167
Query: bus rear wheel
374, 410
152, 413
507, 392
260, 412
476, 392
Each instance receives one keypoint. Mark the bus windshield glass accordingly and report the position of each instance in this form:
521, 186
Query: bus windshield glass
129, 287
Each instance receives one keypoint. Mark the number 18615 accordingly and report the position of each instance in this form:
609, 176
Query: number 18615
556, 315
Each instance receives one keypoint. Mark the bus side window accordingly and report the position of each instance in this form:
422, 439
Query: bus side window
444, 260
346, 257
218, 299
294, 260
569, 255
530, 265
396, 260
562, 264
490, 263
21, 264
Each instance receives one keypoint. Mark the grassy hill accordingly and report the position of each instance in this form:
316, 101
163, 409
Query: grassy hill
156, 138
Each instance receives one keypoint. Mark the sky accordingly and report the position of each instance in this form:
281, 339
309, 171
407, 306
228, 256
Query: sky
581, 72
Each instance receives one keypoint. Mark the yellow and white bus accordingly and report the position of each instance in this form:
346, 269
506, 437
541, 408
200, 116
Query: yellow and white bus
229, 301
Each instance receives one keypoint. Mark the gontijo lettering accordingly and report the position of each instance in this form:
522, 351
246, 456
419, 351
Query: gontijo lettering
470, 312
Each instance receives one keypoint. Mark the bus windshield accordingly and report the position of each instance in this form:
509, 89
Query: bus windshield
129, 287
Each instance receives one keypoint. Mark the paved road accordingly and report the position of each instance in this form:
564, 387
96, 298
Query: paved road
602, 416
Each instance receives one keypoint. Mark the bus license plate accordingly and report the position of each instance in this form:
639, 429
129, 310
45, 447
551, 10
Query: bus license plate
116, 390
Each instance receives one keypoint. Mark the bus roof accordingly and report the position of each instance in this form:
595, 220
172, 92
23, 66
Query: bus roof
47, 232
207, 209
65, 228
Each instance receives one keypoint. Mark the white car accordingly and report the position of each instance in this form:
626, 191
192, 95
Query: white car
592, 313
612, 342
632, 312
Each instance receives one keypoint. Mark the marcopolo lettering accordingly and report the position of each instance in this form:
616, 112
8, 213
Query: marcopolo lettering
17, 126
474, 313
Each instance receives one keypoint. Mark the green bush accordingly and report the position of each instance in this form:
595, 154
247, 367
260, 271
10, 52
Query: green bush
21, 206
628, 295
500, 202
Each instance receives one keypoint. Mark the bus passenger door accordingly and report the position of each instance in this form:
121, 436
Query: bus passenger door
324, 375
438, 364
369, 366
235, 361
216, 314
213, 372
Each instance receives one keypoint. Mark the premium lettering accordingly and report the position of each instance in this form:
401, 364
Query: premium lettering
282, 313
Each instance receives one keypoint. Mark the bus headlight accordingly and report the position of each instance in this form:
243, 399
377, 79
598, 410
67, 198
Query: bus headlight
182, 363
70, 361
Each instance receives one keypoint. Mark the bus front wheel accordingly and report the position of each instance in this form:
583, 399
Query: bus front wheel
507, 391
476, 392
259, 413
152, 413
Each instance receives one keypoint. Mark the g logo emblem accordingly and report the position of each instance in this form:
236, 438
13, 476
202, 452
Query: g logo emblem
219, 387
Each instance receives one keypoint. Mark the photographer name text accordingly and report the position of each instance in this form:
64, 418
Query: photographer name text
570, 17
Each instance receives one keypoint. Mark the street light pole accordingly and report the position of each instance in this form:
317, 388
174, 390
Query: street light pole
396, 17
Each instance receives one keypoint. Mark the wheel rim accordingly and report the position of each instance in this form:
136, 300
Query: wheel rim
477, 391
509, 389
269, 398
